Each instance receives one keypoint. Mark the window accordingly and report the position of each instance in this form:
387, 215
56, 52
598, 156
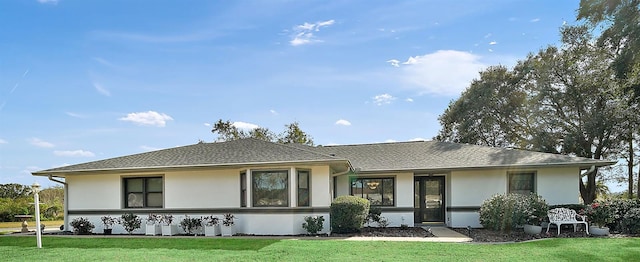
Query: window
303, 188
270, 188
143, 192
243, 189
379, 191
522, 182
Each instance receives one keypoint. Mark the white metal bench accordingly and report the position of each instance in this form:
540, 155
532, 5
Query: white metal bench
559, 216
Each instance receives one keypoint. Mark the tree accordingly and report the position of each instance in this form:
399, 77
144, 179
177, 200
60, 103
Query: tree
560, 100
620, 24
293, 134
14, 191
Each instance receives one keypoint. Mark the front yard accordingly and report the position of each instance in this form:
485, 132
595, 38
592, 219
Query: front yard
56, 248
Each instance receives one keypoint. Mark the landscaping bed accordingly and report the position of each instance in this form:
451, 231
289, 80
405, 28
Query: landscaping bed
388, 232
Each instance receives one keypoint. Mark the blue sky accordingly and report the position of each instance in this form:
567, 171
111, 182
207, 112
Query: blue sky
89, 80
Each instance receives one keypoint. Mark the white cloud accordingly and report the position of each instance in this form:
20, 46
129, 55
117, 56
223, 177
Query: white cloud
149, 148
76, 115
418, 139
53, 2
535, 20
390, 141
383, 99
40, 143
2, 141
74, 153
303, 34
445, 72
150, 118
207, 124
244, 125
493, 43
487, 35
409, 100
394, 62
101, 89
343, 122
273, 112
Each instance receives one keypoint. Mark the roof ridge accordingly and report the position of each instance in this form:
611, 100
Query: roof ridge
383, 143
309, 150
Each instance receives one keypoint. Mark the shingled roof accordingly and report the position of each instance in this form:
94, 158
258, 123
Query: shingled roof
239, 152
434, 155
421, 155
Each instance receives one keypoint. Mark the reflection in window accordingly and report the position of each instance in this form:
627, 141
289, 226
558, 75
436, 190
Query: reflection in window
270, 188
522, 183
379, 191
143, 192
303, 188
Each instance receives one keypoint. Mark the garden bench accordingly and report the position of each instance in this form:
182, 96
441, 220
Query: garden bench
559, 216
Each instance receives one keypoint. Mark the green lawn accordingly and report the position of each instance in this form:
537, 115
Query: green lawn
15, 248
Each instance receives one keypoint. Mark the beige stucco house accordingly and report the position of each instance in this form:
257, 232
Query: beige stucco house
271, 187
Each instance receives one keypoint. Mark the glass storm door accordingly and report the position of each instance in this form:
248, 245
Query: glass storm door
429, 199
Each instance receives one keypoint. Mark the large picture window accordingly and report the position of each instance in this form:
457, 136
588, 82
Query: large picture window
522, 182
270, 188
379, 191
303, 188
143, 192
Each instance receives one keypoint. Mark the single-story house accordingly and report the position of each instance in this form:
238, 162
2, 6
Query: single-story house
271, 187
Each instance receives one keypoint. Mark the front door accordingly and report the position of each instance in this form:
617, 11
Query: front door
429, 199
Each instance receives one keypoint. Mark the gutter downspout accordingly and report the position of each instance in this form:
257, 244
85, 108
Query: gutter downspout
66, 203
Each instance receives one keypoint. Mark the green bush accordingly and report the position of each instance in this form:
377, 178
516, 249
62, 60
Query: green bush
82, 226
504, 212
191, 224
631, 221
620, 208
374, 215
348, 214
130, 222
313, 224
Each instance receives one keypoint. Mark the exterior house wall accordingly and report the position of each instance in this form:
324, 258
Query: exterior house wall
192, 192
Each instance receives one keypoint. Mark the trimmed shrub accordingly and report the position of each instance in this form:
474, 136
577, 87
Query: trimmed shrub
631, 221
82, 226
348, 214
504, 212
130, 222
313, 224
191, 224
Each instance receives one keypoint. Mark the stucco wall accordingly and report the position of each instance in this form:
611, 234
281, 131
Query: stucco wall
94, 192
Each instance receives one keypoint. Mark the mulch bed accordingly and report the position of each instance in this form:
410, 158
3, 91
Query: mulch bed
388, 232
518, 235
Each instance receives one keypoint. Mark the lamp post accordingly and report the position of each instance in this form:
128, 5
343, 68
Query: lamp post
36, 190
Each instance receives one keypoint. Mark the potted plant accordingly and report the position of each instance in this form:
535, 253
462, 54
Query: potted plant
535, 210
228, 223
108, 223
191, 225
130, 222
153, 225
168, 228
599, 215
211, 226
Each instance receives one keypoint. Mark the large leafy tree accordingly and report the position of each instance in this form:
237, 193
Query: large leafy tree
560, 100
227, 131
14, 191
619, 21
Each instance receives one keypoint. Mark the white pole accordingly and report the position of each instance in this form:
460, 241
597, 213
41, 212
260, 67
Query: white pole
36, 190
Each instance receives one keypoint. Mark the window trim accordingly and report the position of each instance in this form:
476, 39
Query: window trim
298, 171
287, 187
145, 192
382, 178
534, 180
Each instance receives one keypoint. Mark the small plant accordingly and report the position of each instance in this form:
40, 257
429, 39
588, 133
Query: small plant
211, 220
153, 219
130, 222
383, 222
599, 214
313, 224
374, 215
82, 226
167, 219
108, 221
404, 226
191, 224
228, 220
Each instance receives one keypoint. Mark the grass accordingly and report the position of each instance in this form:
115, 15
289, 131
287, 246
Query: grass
54, 223
251, 249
